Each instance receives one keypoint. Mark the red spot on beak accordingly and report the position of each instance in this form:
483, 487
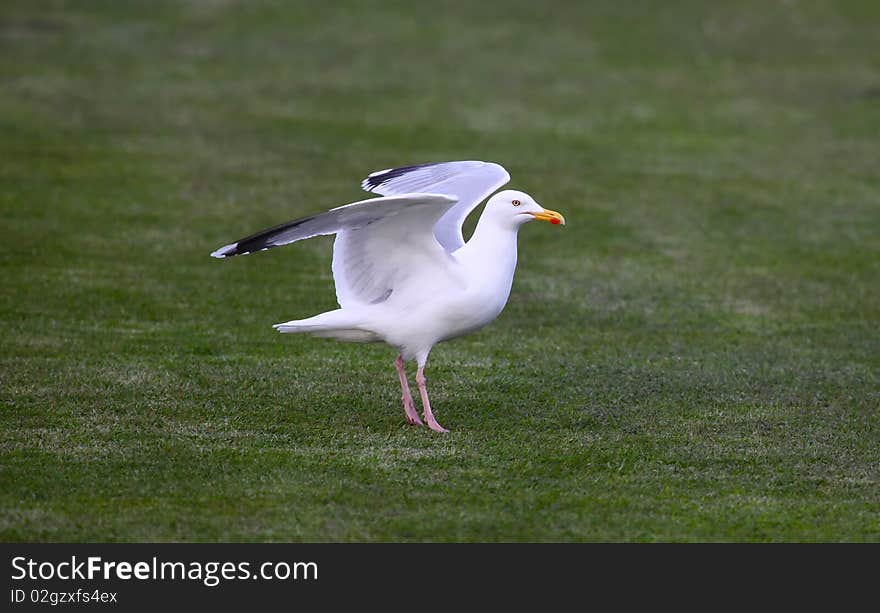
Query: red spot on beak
554, 221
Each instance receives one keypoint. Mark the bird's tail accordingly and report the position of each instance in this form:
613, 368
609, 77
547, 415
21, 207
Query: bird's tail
339, 324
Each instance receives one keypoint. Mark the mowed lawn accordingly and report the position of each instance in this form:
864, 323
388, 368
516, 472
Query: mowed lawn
695, 356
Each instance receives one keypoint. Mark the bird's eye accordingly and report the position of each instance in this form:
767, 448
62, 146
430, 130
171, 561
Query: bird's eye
516, 203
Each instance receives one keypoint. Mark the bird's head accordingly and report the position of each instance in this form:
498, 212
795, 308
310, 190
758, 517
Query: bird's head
516, 208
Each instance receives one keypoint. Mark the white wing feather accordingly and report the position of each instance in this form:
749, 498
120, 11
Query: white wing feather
470, 182
380, 243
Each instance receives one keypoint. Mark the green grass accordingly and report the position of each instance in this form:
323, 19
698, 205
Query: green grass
695, 356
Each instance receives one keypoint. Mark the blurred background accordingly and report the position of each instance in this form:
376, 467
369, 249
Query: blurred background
693, 357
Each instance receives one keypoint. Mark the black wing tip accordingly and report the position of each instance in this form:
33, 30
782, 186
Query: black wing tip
226, 251
223, 255
380, 177
231, 250
258, 242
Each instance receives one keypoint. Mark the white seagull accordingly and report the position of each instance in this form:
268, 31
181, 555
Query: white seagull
403, 273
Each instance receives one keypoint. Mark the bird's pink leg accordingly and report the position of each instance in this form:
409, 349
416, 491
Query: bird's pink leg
426, 405
412, 416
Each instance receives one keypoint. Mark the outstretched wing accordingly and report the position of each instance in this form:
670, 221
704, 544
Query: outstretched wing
380, 243
470, 182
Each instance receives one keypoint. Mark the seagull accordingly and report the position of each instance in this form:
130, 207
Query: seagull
402, 270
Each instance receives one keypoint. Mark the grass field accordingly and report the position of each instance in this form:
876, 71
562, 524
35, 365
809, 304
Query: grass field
695, 356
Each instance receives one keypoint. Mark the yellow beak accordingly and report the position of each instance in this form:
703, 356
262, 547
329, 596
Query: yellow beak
551, 216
